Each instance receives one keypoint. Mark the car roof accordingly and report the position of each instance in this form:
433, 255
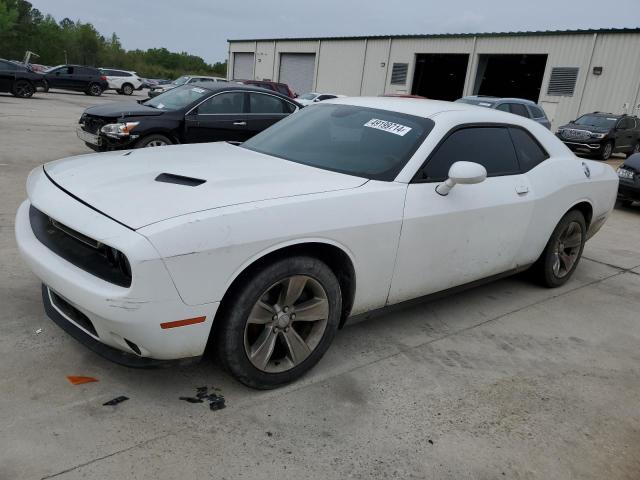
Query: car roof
217, 86
489, 98
419, 107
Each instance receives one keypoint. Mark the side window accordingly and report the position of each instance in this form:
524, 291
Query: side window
232, 102
67, 71
529, 151
626, 124
504, 107
536, 112
519, 109
489, 146
261, 103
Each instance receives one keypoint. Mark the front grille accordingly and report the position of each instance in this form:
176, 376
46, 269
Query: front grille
574, 134
84, 252
72, 312
92, 124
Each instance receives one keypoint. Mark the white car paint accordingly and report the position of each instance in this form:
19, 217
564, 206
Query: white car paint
116, 82
316, 97
186, 245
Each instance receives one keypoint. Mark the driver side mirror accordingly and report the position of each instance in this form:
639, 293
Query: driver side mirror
464, 173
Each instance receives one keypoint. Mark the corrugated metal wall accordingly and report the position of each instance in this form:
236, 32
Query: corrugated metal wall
363, 66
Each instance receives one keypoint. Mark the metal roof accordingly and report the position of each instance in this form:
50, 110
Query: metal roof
449, 35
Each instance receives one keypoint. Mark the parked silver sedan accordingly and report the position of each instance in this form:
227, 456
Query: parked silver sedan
519, 106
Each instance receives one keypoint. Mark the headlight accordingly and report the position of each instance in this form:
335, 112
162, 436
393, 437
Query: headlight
598, 135
118, 130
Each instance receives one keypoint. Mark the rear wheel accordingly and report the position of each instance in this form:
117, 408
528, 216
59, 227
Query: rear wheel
280, 323
563, 251
153, 141
636, 149
23, 89
607, 150
94, 90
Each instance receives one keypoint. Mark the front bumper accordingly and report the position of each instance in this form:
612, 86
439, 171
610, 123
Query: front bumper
582, 147
119, 317
629, 190
101, 142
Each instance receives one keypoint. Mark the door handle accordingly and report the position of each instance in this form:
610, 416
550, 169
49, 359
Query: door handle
240, 124
522, 189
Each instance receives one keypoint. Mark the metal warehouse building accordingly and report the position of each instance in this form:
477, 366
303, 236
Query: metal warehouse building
568, 72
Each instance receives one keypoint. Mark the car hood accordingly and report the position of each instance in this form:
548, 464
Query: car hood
589, 128
123, 185
122, 109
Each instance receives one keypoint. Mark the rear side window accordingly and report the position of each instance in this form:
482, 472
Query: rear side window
491, 147
626, 124
519, 109
536, 112
504, 107
529, 151
260, 103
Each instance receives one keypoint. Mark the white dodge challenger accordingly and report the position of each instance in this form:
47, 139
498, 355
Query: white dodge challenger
263, 250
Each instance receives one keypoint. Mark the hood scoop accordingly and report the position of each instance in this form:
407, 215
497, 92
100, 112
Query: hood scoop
179, 180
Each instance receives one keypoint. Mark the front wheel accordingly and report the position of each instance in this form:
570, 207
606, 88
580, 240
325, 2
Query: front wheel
95, 90
280, 322
23, 89
607, 150
563, 251
127, 89
153, 141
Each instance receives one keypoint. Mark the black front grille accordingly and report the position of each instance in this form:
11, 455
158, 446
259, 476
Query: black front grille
92, 124
72, 312
84, 252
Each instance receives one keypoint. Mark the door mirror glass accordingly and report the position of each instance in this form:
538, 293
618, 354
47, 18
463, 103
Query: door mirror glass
464, 173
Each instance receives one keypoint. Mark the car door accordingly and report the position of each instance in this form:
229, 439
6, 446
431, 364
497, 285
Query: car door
221, 117
7, 74
472, 233
624, 134
265, 110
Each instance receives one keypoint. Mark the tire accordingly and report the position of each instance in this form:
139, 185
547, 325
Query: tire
127, 89
94, 90
256, 315
154, 140
553, 270
636, 149
23, 89
607, 150
45, 87
626, 203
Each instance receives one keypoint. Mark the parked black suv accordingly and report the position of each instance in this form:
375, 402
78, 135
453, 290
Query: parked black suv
602, 134
194, 113
77, 78
629, 176
18, 79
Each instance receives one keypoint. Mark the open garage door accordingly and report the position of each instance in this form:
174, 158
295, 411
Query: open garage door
243, 66
440, 76
518, 76
296, 70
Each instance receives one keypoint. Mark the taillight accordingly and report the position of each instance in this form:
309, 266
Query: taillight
103, 77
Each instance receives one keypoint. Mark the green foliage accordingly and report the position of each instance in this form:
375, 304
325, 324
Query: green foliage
23, 28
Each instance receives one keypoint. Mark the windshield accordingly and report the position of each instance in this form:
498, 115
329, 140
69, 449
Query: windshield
596, 121
475, 101
308, 96
181, 80
177, 98
364, 142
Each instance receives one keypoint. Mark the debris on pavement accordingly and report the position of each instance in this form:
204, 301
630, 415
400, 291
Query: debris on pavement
216, 402
38, 331
79, 380
116, 400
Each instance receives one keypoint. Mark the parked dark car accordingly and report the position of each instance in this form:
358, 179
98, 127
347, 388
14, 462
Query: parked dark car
18, 79
282, 88
518, 106
77, 78
602, 134
203, 112
629, 176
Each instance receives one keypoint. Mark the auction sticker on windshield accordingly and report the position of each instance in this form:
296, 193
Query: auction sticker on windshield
390, 127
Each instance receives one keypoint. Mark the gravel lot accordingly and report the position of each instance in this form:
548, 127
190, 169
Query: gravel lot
508, 380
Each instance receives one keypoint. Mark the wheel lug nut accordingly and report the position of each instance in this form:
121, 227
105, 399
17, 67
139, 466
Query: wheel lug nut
286, 309
286, 329
275, 317
293, 316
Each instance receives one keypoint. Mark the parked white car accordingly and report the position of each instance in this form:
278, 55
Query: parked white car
183, 80
123, 81
315, 97
345, 207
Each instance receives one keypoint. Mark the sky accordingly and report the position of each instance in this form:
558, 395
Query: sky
202, 27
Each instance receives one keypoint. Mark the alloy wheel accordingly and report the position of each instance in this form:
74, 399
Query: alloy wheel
95, 90
24, 89
286, 324
127, 89
608, 150
567, 250
156, 143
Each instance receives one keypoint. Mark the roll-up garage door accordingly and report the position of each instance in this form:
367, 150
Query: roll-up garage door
296, 70
243, 66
